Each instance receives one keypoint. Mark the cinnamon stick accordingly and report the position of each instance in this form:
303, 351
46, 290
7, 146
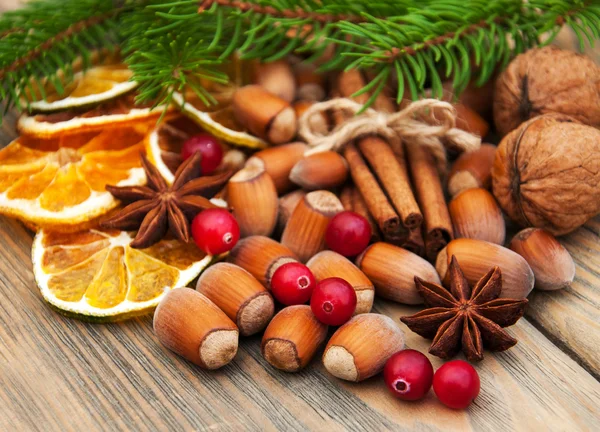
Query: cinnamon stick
374, 197
349, 82
360, 206
347, 198
394, 178
415, 242
428, 187
384, 214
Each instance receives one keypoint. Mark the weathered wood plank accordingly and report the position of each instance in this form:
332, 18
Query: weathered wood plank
571, 317
529, 387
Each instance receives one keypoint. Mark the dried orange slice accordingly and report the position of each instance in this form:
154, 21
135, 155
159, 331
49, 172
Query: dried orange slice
219, 121
95, 275
165, 142
61, 182
91, 87
118, 112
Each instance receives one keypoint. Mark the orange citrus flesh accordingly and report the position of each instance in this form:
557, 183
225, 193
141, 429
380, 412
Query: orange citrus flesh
62, 181
96, 275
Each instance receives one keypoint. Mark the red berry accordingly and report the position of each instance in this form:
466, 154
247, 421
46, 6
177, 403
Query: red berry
348, 233
333, 301
215, 231
208, 146
456, 384
408, 374
292, 284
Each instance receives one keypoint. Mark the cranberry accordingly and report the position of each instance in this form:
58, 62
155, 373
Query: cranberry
408, 374
456, 384
333, 301
208, 146
215, 231
293, 284
348, 233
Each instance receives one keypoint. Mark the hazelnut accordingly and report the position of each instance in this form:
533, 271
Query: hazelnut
292, 338
278, 162
264, 114
324, 170
475, 214
278, 78
252, 194
190, 325
393, 269
359, 349
477, 257
237, 293
472, 170
305, 231
551, 263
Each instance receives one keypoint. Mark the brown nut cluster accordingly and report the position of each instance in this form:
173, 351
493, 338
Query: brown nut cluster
545, 173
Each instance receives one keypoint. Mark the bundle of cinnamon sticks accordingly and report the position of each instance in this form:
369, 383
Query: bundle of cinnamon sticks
396, 186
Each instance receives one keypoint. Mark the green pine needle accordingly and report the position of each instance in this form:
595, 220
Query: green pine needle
171, 45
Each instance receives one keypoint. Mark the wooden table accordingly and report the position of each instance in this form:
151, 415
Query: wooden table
62, 374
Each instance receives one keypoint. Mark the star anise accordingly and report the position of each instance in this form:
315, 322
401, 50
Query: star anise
460, 317
157, 207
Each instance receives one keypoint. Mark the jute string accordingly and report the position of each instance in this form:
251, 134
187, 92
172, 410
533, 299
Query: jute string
428, 122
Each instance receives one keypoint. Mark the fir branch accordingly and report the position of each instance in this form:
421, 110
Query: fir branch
187, 44
168, 55
422, 52
39, 46
271, 11
73, 29
397, 52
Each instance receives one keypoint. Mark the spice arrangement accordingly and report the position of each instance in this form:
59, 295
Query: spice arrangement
297, 197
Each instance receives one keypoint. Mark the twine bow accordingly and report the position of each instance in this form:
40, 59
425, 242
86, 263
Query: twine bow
428, 122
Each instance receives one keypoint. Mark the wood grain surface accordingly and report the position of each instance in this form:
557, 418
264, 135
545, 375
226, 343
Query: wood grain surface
61, 374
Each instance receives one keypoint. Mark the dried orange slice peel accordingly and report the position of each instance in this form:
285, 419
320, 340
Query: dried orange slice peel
165, 142
118, 112
61, 182
91, 87
220, 122
95, 275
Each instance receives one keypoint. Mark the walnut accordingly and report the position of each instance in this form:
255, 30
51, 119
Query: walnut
546, 173
547, 80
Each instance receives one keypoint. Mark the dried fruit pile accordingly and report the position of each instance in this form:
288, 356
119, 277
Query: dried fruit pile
321, 233
79, 157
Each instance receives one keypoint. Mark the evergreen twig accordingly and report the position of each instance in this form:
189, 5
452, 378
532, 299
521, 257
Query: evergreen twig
322, 18
175, 44
75, 28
